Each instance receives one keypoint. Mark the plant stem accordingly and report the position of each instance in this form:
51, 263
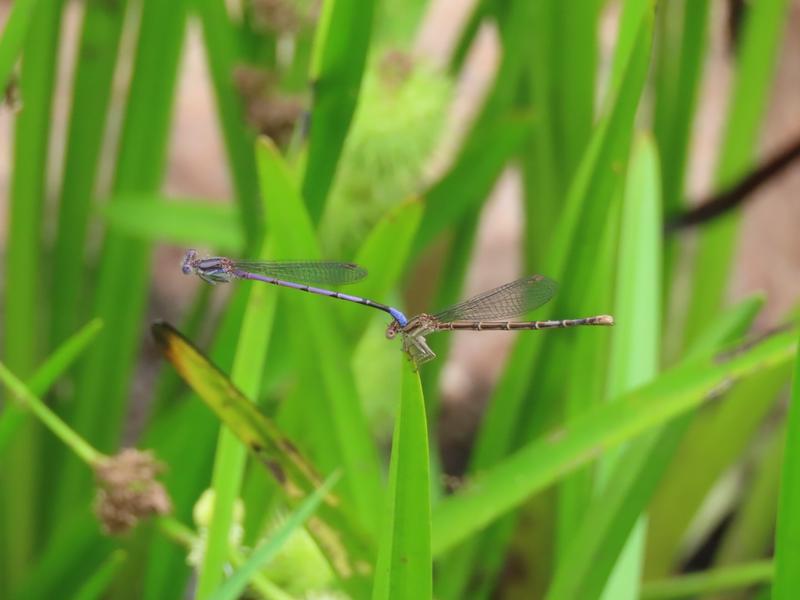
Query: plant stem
51, 420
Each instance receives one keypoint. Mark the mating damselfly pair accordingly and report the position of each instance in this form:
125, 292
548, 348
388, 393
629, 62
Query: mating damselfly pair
488, 311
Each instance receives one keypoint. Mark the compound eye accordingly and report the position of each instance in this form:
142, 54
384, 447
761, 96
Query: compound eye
187, 270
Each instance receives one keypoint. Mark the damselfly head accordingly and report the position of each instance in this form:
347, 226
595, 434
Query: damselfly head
188, 262
392, 329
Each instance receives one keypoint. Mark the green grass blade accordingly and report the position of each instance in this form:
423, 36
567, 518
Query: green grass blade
470, 179
679, 64
584, 221
706, 583
752, 530
23, 269
787, 535
591, 350
573, 66
609, 533
237, 583
69, 555
541, 462
224, 52
97, 586
633, 13
47, 417
756, 61
461, 48
91, 94
124, 270
340, 55
27, 190
451, 286
714, 442
497, 134
626, 494
717, 436
511, 414
384, 254
636, 337
182, 222
346, 432
229, 464
13, 37
727, 328
13, 416
397, 21
404, 567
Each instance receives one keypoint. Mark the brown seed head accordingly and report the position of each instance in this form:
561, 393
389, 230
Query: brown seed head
128, 490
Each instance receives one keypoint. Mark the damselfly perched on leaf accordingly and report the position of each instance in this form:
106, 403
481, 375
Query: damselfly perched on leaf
486, 312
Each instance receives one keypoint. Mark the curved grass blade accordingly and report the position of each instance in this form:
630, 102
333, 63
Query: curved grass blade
180, 221
237, 583
90, 115
752, 529
230, 456
633, 362
787, 535
98, 585
612, 514
345, 437
510, 419
543, 461
756, 63
335, 532
384, 254
224, 52
711, 582
45, 376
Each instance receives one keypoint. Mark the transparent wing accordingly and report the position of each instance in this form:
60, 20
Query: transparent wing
507, 301
312, 271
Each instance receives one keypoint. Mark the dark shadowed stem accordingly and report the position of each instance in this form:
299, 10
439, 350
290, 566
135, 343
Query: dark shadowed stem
724, 202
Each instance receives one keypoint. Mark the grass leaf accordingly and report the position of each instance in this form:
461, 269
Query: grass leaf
229, 463
339, 58
345, 430
262, 437
756, 61
224, 53
183, 222
98, 585
261, 556
13, 37
89, 116
709, 582
541, 462
404, 567
787, 536
634, 361
45, 377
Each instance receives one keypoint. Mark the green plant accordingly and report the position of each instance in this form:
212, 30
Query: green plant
594, 467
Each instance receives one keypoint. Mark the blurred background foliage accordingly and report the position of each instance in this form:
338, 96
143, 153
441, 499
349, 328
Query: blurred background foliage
447, 147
